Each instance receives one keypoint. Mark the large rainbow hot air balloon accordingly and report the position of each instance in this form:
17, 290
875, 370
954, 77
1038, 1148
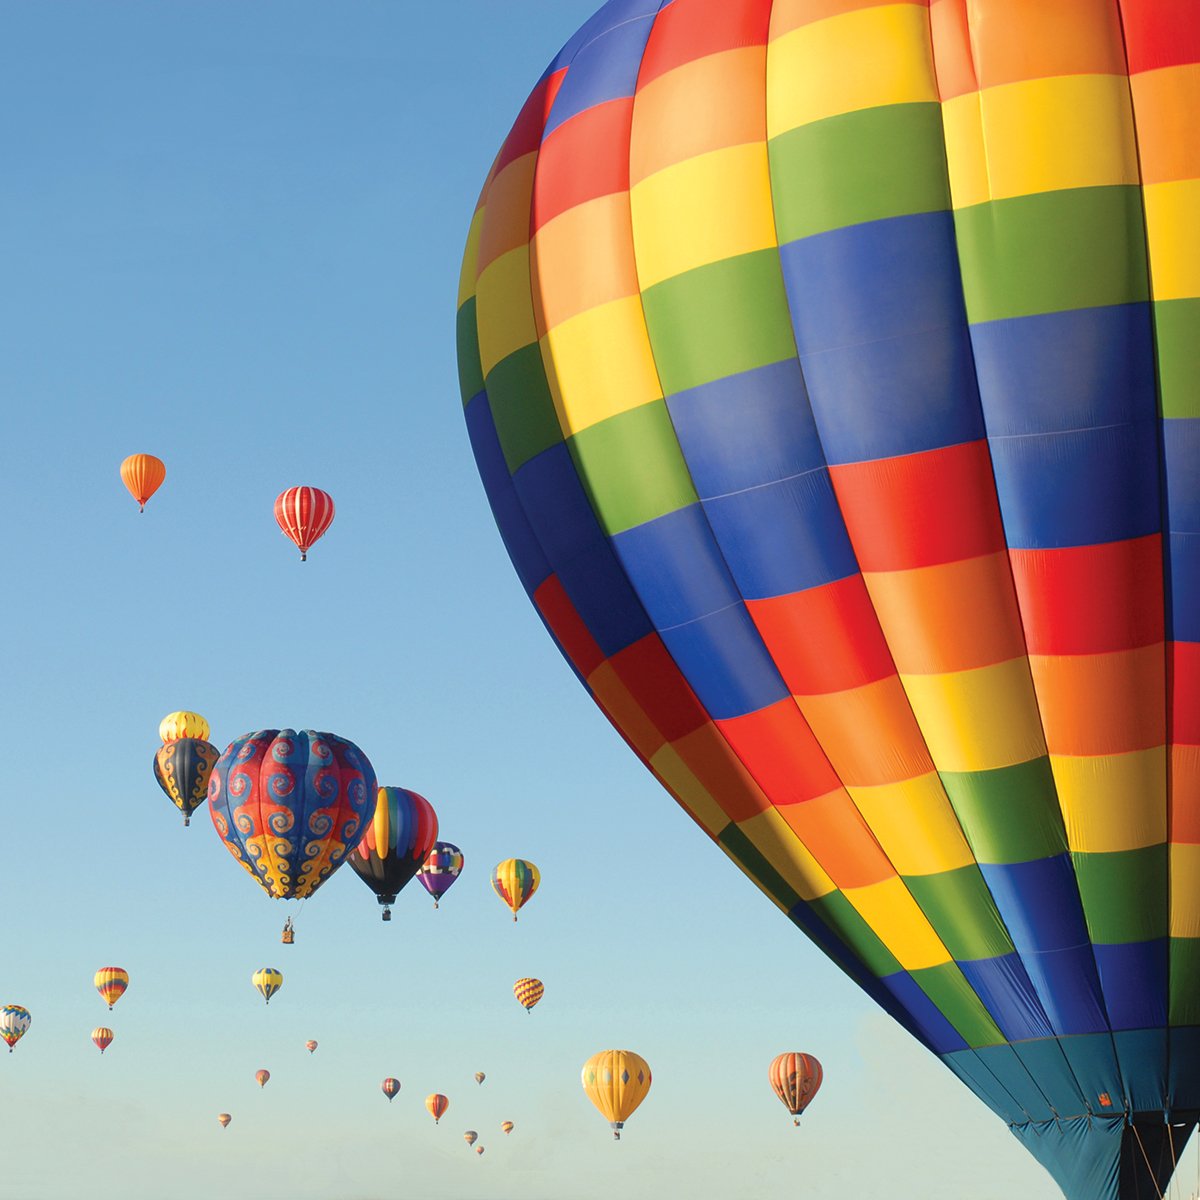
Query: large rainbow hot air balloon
831, 371
290, 806
395, 843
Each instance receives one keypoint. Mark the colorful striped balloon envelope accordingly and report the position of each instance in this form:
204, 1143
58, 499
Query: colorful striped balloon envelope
833, 370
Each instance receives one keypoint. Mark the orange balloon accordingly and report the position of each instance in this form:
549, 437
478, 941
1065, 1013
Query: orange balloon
795, 1079
143, 474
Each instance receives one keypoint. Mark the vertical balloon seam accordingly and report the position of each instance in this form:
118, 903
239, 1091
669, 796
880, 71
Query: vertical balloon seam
341, 812
766, 655
848, 956
1095, 936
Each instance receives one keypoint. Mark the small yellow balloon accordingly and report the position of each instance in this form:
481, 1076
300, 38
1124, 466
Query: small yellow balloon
183, 724
616, 1082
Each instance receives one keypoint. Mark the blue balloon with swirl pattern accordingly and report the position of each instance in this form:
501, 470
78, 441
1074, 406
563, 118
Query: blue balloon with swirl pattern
290, 806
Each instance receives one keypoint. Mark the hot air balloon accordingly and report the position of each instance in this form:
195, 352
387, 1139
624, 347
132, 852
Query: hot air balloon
395, 843
441, 869
262, 1077
267, 981
528, 992
183, 724
616, 1082
304, 513
833, 385
515, 881
102, 1037
390, 1088
310, 1046
470, 1137
436, 1104
14, 1024
111, 983
183, 768
796, 1079
290, 806
507, 1126
223, 1120
478, 1149
142, 474
479, 1076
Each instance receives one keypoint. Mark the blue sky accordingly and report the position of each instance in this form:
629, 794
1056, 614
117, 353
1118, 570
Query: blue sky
230, 233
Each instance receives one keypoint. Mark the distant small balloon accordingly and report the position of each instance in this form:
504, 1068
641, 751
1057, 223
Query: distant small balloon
507, 1126
310, 1046
223, 1119
102, 1037
514, 881
479, 1076
441, 869
437, 1104
616, 1082
14, 1024
267, 980
478, 1149
183, 724
470, 1137
390, 1087
304, 513
111, 983
795, 1079
143, 475
262, 1076
183, 768
529, 992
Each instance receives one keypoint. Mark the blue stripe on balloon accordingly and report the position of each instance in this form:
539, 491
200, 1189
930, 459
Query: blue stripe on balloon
968, 1066
606, 59
877, 311
1134, 978
1142, 1054
1080, 369
1043, 1058
1183, 590
723, 658
1081, 488
1012, 1073
519, 539
936, 1030
1093, 1060
1003, 986
565, 525
1181, 453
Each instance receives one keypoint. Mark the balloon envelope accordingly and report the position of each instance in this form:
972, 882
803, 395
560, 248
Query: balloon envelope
441, 869
103, 1037
436, 1104
183, 768
470, 1137
528, 992
795, 1079
143, 475
514, 881
262, 1077
844, 437
224, 1119
616, 1082
183, 724
267, 981
390, 1087
304, 513
310, 1046
479, 1076
507, 1126
14, 1024
111, 983
395, 842
290, 806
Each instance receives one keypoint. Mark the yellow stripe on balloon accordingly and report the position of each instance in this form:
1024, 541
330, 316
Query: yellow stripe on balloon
844, 63
777, 842
978, 720
1040, 135
709, 208
915, 825
1185, 890
679, 779
1113, 802
470, 265
599, 364
506, 320
895, 918
1173, 231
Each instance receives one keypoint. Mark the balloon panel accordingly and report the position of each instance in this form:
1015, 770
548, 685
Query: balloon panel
851, 454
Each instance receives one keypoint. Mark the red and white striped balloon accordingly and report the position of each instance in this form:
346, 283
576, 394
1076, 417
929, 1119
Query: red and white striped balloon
304, 513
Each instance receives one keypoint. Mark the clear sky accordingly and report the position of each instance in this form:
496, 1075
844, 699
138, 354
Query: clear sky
230, 234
